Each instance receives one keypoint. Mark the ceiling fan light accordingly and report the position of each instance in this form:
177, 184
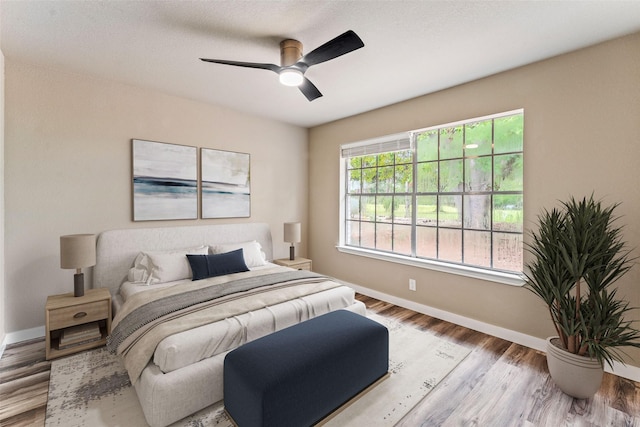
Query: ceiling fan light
291, 77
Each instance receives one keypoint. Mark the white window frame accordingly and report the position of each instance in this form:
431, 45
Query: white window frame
386, 143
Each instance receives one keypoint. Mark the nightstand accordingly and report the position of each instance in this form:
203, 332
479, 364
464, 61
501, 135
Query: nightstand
74, 324
298, 263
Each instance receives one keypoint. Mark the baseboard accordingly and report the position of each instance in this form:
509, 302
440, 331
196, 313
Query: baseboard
624, 371
19, 336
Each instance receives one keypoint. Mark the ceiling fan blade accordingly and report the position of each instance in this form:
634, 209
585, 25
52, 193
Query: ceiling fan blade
344, 43
272, 67
309, 89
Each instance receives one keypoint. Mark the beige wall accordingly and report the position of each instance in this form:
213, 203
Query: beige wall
68, 169
582, 135
2, 310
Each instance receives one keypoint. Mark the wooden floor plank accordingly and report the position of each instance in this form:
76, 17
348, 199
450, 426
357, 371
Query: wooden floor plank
36, 368
623, 394
33, 418
21, 354
27, 399
19, 384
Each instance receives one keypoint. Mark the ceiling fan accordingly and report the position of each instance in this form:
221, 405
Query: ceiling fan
294, 64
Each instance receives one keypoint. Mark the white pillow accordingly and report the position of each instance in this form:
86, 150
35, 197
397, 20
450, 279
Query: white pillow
141, 270
252, 252
164, 266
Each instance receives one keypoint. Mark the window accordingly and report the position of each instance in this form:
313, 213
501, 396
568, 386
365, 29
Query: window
451, 194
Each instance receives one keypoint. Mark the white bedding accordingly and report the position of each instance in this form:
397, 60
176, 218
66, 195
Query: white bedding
185, 348
188, 347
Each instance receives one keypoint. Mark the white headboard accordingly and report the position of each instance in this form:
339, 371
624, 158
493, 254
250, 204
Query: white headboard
117, 249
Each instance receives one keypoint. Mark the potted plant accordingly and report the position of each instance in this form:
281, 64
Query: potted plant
578, 255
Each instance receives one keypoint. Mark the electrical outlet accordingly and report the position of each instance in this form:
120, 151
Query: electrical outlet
412, 284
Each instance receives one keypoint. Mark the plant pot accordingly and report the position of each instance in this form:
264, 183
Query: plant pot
577, 376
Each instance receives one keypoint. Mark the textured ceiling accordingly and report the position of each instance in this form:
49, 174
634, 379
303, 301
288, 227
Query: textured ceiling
411, 47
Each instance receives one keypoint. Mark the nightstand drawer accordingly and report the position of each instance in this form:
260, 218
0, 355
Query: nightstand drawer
302, 266
298, 263
78, 315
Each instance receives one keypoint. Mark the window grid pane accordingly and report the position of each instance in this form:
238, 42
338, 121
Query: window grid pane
458, 192
402, 239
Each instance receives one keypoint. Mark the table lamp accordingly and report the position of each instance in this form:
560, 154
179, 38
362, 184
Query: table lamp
77, 251
292, 235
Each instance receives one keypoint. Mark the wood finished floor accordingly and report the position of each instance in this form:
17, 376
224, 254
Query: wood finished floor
499, 384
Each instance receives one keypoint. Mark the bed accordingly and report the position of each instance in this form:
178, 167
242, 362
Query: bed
173, 332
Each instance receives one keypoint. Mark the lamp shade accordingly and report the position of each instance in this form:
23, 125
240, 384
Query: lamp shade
292, 232
77, 251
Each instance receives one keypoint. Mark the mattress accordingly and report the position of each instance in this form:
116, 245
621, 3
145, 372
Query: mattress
185, 348
191, 346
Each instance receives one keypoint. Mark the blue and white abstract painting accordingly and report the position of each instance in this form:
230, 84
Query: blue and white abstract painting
165, 181
226, 189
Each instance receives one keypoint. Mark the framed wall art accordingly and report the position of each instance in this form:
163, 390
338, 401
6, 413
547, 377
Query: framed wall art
226, 188
165, 181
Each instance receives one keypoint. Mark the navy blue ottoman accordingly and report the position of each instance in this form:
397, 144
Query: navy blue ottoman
299, 375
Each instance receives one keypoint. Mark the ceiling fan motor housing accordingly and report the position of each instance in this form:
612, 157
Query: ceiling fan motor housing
290, 52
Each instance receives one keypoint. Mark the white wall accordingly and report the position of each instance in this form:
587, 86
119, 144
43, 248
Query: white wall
68, 170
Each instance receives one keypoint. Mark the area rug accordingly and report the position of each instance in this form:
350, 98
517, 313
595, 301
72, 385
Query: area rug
92, 388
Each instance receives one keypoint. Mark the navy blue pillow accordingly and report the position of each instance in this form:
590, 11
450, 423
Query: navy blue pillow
203, 266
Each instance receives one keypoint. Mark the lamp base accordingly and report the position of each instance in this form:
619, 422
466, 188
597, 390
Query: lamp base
78, 284
292, 252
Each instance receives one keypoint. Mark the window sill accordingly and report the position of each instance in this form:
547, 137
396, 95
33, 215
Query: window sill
512, 279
